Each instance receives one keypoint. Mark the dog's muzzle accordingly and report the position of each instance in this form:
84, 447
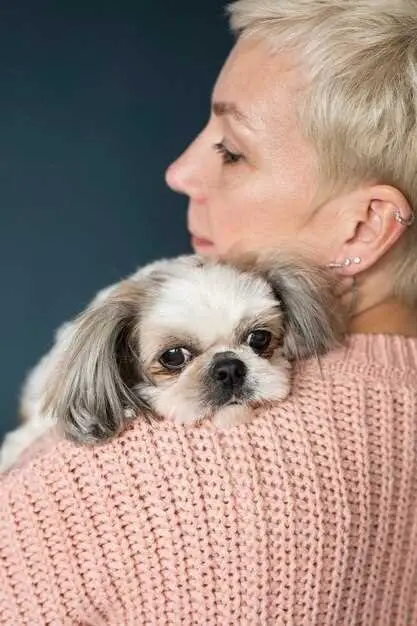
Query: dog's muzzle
227, 377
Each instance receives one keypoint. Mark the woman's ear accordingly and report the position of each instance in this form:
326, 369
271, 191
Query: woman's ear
375, 217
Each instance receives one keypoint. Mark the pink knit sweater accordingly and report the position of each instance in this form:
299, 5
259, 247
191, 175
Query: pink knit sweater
307, 516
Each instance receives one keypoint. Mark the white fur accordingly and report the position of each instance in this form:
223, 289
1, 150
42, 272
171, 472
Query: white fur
219, 299
18, 440
36, 424
205, 303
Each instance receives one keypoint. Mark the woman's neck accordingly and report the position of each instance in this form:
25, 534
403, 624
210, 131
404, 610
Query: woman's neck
389, 317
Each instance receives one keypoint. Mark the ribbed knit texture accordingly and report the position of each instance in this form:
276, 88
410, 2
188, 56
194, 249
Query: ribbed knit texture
307, 516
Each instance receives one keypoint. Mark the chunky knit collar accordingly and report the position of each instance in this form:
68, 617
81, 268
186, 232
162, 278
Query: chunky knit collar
391, 351
389, 356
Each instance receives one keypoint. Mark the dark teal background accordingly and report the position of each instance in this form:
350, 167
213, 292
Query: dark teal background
96, 99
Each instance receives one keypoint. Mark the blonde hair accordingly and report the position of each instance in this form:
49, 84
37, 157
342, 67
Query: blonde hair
360, 112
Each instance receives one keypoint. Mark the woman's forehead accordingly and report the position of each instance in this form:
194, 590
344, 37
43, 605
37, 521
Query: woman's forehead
258, 84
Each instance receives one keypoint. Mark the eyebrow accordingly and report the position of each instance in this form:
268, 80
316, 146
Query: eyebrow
229, 108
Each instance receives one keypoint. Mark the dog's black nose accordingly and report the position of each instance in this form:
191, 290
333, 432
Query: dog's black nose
230, 373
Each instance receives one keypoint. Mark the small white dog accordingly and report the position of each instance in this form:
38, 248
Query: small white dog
187, 339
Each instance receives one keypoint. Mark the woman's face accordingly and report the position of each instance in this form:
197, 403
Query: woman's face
250, 176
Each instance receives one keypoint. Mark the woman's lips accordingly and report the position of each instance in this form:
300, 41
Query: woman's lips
198, 243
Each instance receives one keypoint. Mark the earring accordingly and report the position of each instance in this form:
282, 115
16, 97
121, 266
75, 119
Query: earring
402, 220
346, 263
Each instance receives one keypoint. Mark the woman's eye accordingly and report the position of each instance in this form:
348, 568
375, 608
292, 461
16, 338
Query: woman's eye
228, 157
259, 340
175, 358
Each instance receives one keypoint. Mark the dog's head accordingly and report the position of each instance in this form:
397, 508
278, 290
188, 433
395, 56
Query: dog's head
187, 339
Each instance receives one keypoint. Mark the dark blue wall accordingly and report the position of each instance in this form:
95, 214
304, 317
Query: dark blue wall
96, 99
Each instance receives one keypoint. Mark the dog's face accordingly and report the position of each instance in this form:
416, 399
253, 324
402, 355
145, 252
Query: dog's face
210, 338
189, 339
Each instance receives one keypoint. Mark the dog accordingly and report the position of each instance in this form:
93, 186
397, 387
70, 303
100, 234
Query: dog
187, 339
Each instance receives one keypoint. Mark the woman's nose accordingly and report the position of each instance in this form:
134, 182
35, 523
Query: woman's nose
186, 174
175, 176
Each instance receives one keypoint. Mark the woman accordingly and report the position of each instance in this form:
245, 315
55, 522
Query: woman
309, 514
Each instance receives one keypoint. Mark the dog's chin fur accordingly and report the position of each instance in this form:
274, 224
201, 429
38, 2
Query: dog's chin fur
104, 368
233, 415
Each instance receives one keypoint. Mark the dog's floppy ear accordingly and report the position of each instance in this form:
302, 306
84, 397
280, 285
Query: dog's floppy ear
91, 394
314, 319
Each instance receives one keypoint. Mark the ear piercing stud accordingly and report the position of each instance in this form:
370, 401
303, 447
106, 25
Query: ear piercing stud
346, 263
356, 259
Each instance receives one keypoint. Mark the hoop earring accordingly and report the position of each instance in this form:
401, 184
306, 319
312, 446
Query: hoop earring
346, 263
402, 220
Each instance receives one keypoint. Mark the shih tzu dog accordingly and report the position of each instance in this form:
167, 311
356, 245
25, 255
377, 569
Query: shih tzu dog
188, 339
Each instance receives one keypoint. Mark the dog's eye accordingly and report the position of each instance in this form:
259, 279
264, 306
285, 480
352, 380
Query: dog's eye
175, 358
259, 340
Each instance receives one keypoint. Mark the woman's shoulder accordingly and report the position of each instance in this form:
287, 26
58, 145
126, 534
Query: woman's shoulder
364, 366
307, 473
388, 359
351, 388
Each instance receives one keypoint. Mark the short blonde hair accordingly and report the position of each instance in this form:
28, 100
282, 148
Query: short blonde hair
360, 112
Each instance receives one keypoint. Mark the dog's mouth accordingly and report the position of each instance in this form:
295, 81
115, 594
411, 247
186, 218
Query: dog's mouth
242, 400
235, 402
235, 398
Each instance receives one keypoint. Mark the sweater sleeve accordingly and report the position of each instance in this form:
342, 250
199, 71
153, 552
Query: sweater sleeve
306, 516
71, 537
164, 525
49, 569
